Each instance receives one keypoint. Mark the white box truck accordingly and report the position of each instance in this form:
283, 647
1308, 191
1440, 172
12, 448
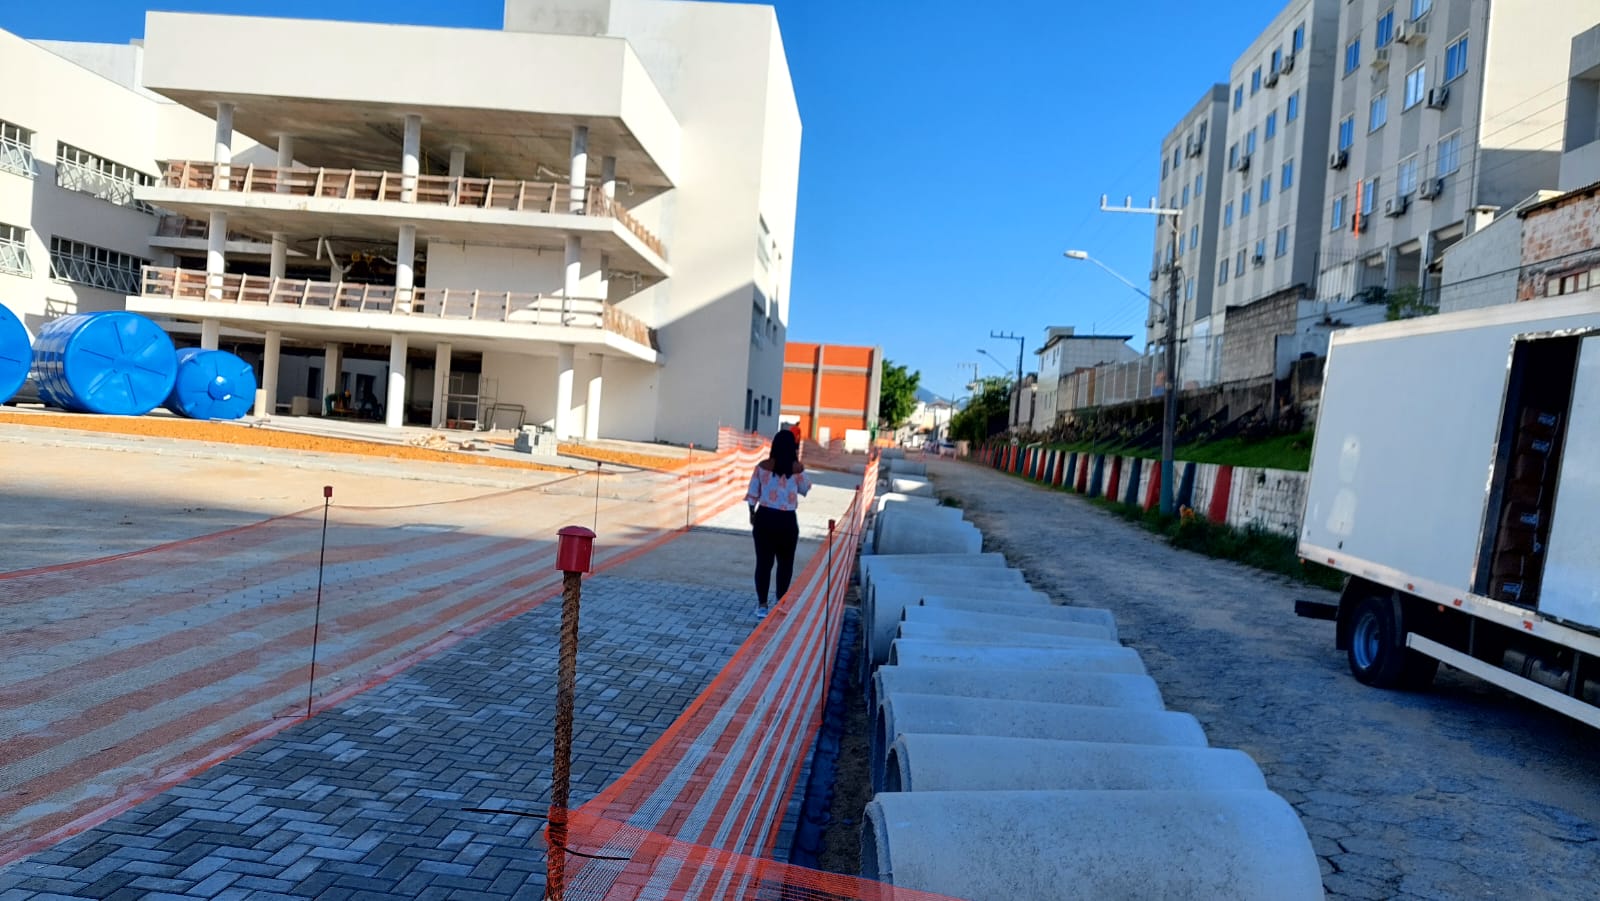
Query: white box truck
1455, 480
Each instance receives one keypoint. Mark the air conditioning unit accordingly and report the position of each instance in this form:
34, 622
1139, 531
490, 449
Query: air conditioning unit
1272, 79
1430, 188
1259, 259
1412, 32
1396, 206
1358, 222
1380, 58
1195, 148
1287, 65
1438, 97
1244, 163
1339, 159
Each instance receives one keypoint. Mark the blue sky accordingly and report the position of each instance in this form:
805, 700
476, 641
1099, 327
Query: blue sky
952, 152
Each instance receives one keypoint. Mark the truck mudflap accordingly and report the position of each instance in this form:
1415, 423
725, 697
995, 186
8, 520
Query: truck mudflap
1316, 610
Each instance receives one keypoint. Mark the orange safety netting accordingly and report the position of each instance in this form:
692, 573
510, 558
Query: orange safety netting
698, 814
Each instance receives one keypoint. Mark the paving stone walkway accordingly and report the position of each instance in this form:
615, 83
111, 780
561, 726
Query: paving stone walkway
366, 799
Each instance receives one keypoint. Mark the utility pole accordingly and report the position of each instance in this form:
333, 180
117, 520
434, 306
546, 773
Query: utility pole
1169, 412
1016, 409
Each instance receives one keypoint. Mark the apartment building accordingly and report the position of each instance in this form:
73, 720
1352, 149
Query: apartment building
1192, 181
1446, 113
78, 138
1064, 353
584, 220
1580, 157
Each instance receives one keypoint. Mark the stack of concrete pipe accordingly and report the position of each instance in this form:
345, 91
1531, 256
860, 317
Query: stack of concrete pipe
1019, 750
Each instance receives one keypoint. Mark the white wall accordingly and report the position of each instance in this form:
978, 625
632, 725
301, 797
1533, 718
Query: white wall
527, 271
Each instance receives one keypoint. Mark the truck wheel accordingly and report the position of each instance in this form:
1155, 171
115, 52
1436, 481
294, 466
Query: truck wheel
1378, 653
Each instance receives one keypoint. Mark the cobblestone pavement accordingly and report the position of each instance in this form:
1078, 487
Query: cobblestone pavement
1462, 792
365, 799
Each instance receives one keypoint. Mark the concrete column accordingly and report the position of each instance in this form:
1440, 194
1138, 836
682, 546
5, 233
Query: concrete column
224, 148
332, 361
591, 423
405, 263
216, 253
574, 268
564, 391
441, 382
210, 333
394, 403
608, 177
267, 394
579, 173
411, 158
285, 151
458, 163
280, 255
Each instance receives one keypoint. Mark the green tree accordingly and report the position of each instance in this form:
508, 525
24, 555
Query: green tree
897, 395
986, 413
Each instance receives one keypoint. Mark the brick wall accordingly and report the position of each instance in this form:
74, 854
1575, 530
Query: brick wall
1558, 238
1249, 339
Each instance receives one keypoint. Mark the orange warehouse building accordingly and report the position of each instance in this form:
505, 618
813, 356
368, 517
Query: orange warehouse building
832, 387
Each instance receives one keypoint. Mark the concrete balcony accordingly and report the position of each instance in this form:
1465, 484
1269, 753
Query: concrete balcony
263, 200
349, 311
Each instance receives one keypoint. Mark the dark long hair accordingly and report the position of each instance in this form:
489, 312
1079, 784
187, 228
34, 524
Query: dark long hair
785, 452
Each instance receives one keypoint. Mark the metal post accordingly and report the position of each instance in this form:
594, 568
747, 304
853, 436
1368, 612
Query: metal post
1169, 413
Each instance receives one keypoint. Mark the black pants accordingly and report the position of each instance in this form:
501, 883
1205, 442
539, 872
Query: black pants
777, 532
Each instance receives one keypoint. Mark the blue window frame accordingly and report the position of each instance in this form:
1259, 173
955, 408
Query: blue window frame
1352, 56
1385, 35
1455, 59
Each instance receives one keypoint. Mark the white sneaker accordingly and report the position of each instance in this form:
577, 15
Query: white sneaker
761, 611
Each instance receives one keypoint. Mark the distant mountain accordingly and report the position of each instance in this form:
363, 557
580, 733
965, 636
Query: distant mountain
929, 397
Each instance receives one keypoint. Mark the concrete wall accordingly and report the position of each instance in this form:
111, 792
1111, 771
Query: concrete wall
1249, 346
1560, 238
1580, 160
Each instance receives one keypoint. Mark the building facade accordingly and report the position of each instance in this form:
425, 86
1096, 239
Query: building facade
1446, 112
1064, 353
1580, 157
466, 239
830, 389
1192, 170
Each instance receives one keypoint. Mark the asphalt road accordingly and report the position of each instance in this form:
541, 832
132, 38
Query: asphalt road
1464, 791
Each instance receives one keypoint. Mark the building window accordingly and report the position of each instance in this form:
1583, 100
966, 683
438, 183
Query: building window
1272, 125
1227, 215
1255, 81
1572, 282
1188, 289
95, 267
1299, 42
1180, 245
1194, 237
1233, 156
1222, 272
1238, 267
1261, 250
1419, 8
1277, 59
1291, 110
1385, 35
14, 251
16, 150
1455, 59
1266, 190
79, 170
1250, 142
1238, 97
1378, 112
1336, 217
1282, 248
1244, 203
1416, 85
1352, 56
1287, 181
1199, 185
1406, 180
1177, 156
1449, 154
1347, 132
1185, 203
1165, 168
1369, 195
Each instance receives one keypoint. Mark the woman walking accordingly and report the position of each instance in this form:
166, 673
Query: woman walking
775, 490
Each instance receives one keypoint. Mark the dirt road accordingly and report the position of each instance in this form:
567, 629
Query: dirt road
1461, 792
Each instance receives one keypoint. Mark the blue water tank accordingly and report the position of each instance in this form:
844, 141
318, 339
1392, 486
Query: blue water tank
212, 384
113, 362
15, 356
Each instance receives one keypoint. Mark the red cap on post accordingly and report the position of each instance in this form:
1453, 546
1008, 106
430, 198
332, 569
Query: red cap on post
575, 550
327, 491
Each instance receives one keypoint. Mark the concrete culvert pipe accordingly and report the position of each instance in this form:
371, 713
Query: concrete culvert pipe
892, 498
1108, 659
1000, 638
886, 597
1026, 604
967, 619
928, 534
929, 569
901, 564
902, 712
911, 485
921, 762
1070, 845
1085, 688
908, 468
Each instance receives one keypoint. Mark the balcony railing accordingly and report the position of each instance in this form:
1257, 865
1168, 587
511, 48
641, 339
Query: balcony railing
436, 190
434, 303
